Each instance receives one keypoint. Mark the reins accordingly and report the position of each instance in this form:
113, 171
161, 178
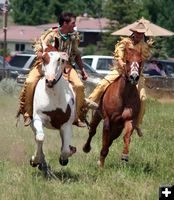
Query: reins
58, 78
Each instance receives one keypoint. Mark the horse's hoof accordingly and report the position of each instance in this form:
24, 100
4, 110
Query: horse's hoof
86, 149
63, 162
43, 167
32, 162
125, 157
40, 137
139, 132
100, 164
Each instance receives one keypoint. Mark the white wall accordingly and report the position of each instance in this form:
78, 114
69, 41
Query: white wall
11, 47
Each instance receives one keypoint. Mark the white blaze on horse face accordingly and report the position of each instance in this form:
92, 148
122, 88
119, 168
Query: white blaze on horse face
134, 73
134, 69
53, 69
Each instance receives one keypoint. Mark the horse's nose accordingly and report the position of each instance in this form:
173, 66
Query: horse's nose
134, 77
50, 83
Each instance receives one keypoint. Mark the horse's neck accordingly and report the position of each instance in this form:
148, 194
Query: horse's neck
124, 86
62, 85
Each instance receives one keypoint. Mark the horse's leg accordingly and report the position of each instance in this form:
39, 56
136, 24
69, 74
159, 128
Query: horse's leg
96, 118
106, 142
66, 149
127, 139
39, 158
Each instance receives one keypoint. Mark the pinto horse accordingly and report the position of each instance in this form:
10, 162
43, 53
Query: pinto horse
119, 108
53, 106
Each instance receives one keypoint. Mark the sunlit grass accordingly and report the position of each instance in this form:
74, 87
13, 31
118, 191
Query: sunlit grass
150, 161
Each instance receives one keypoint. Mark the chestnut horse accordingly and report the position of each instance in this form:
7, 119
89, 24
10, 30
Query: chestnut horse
119, 108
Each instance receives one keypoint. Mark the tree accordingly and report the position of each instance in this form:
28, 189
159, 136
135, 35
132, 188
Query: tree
33, 12
128, 11
30, 12
123, 12
161, 12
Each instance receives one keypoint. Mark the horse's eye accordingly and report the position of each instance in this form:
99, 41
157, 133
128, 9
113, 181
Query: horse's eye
58, 59
63, 60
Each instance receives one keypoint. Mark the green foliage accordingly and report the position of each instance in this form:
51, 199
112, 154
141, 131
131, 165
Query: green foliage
30, 12
128, 11
159, 49
2, 52
91, 7
107, 45
89, 50
161, 12
124, 11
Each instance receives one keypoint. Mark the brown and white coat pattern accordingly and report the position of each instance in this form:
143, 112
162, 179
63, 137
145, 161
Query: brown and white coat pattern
53, 106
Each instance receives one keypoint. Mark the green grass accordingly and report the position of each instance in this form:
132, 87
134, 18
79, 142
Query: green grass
150, 161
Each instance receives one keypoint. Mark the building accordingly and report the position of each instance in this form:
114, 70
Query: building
21, 37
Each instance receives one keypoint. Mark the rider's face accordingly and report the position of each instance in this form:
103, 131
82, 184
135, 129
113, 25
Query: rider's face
138, 37
71, 25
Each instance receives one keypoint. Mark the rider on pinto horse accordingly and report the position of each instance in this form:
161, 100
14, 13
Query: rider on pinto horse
64, 39
135, 41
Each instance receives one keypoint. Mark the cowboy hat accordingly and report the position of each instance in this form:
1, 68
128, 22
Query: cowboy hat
139, 28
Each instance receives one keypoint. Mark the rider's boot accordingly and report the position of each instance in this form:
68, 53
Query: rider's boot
79, 123
27, 120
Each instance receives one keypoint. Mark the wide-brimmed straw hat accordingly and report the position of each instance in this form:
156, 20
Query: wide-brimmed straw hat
139, 28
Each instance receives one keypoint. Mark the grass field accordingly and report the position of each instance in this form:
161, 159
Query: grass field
151, 161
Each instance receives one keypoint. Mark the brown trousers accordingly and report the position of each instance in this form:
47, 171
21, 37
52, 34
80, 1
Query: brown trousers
27, 93
104, 83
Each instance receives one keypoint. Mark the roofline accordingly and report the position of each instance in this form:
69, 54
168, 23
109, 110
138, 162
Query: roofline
92, 30
20, 41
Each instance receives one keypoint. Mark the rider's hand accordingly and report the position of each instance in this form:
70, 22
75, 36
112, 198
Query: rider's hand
84, 74
39, 54
121, 63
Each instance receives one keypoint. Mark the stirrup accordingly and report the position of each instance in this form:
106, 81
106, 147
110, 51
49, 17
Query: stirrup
79, 123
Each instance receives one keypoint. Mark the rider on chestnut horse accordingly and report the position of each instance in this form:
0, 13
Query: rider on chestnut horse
135, 41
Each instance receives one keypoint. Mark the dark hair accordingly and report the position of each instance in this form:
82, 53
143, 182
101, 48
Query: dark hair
65, 17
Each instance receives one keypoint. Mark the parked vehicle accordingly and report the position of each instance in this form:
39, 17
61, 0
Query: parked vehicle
167, 66
101, 64
20, 64
90, 83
